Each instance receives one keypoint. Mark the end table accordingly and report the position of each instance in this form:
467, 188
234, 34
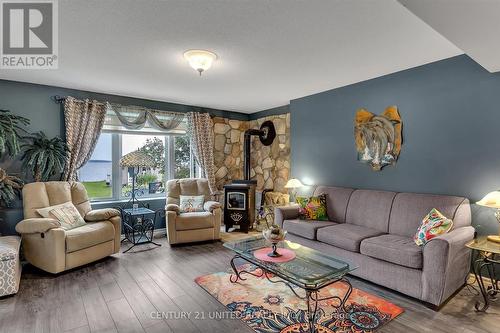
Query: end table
137, 227
484, 265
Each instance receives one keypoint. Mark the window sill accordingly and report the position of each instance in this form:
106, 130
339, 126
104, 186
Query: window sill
122, 201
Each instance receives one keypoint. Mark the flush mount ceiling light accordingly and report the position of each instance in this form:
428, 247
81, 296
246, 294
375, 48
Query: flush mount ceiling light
200, 60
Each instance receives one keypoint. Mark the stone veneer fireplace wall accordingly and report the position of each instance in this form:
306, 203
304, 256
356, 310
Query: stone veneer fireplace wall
270, 165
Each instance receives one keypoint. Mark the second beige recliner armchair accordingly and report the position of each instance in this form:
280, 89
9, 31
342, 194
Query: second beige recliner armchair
195, 226
53, 249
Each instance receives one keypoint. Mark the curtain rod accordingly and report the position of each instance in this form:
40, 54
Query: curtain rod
60, 100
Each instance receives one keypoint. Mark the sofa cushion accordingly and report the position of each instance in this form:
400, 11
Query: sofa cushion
409, 209
89, 235
337, 199
399, 250
195, 220
371, 209
346, 236
305, 228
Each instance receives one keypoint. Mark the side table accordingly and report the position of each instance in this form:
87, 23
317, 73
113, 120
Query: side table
138, 229
484, 266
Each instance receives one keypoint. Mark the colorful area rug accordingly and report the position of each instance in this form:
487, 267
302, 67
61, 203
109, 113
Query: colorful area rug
272, 307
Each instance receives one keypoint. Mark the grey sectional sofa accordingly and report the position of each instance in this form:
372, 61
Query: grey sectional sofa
374, 230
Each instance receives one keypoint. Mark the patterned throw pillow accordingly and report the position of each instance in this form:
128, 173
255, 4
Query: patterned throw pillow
65, 213
434, 224
191, 203
312, 208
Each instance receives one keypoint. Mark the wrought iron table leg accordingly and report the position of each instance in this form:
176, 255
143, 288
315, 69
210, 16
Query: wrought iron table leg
477, 268
347, 294
238, 274
343, 300
130, 248
311, 294
311, 315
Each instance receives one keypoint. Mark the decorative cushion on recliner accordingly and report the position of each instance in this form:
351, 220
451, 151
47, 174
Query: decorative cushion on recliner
303, 228
346, 236
399, 250
65, 213
89, 235
192, 221
191, 203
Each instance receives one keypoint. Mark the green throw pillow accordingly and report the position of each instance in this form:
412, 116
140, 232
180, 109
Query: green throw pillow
312, 208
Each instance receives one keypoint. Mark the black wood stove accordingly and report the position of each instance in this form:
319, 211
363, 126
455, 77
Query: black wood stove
239, 197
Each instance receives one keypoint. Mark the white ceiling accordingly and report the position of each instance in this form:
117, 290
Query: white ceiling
472, 25
270, 51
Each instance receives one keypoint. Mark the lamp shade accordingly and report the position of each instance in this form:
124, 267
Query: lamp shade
200, 60
293, 183
136, 159
491, 199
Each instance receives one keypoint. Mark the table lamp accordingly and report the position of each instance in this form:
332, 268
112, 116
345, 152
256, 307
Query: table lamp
492, 200
136, 160
293, 184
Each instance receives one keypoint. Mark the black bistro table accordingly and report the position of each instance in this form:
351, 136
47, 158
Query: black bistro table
138, 226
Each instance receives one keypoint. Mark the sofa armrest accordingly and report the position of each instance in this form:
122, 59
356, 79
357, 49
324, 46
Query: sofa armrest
209, 206
282, 213
173, 208
104, 214
446, 264
37, 225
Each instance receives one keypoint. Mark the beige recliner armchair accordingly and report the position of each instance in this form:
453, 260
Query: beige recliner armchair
49, 247
195, 226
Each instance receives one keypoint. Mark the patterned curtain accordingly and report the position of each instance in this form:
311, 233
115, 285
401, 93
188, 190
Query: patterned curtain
200, 131
84, 121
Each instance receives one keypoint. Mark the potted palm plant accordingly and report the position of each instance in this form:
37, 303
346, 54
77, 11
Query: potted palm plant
11, 127
9, 188
44, 157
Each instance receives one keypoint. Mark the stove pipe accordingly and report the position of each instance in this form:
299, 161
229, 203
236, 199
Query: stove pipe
266, 134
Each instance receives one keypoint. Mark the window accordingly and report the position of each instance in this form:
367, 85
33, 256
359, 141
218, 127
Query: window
148, 181
182, 157
97, 174
103, 177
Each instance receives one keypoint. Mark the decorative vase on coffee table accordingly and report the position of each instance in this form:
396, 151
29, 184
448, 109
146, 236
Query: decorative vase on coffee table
274, 235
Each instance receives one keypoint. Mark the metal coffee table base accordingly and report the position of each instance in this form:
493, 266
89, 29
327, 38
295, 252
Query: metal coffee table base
311, 296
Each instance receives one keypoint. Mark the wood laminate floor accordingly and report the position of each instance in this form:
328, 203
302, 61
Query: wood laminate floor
119, 294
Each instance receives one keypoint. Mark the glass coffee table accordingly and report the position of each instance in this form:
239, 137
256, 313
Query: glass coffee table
310, 270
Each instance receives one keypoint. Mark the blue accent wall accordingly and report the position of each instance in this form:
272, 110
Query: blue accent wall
451, 133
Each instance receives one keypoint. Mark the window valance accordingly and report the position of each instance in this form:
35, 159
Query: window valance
121, 118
